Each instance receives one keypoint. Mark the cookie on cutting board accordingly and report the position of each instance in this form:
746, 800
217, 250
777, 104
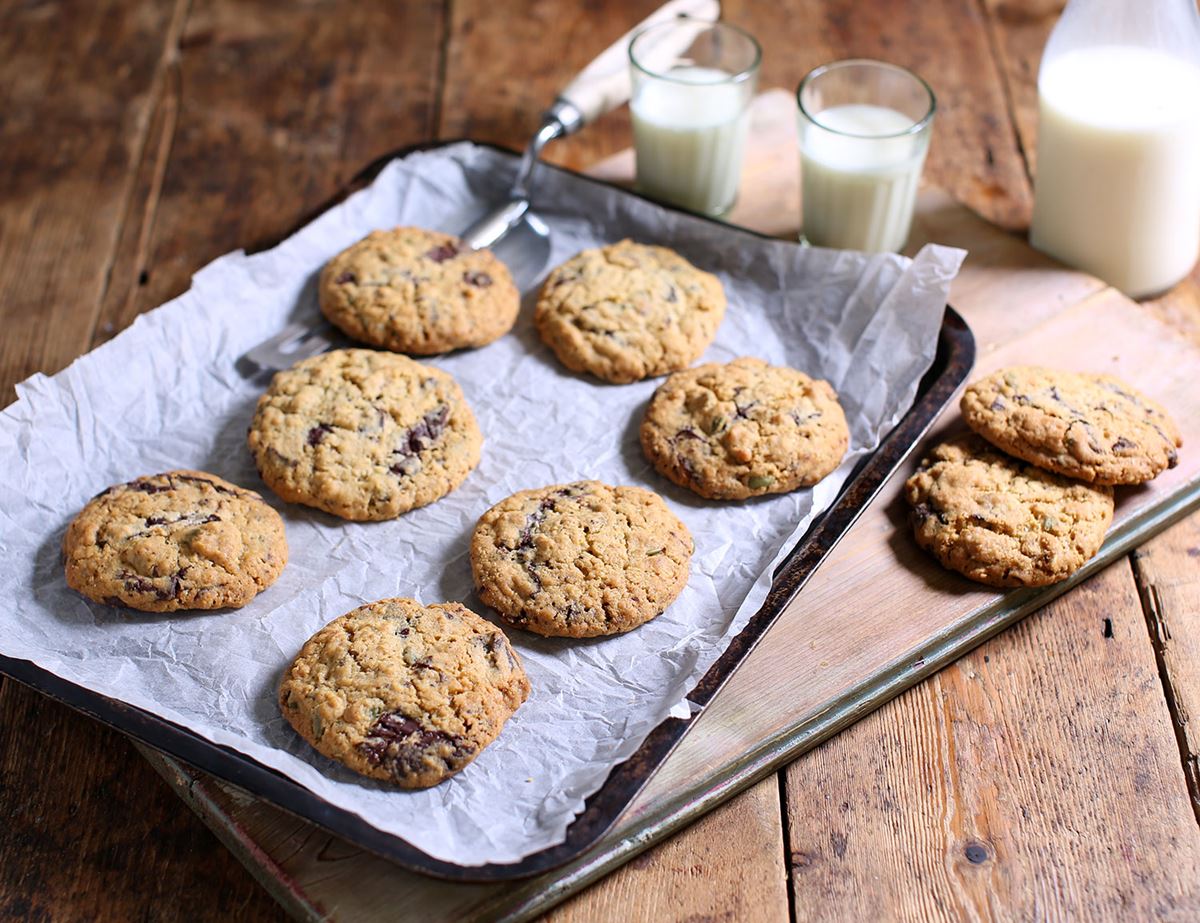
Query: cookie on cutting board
1000, 521
1094, 428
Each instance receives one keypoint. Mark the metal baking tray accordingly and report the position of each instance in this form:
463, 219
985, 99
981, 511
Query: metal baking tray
954, 358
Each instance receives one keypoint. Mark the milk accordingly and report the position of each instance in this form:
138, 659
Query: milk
690, 131
858, 187
1118, 165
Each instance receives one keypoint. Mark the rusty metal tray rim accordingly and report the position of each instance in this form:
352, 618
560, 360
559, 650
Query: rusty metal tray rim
955, 356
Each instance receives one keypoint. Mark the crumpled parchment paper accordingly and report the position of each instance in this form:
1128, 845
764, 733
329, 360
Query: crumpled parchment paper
167, 393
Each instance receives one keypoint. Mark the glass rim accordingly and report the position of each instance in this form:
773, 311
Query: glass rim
915, 129
744, 74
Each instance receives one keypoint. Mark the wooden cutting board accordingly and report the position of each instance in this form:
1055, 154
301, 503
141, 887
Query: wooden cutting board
877, 617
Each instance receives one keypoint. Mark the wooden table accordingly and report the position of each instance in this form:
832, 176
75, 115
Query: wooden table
1055, 771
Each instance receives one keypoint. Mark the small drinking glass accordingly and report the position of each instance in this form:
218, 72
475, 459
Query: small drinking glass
692, 85
864, 133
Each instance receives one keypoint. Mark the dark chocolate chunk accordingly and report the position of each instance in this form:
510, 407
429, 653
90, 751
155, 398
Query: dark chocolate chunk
421, 435
346, 277
317, 433
442, 253
402, 746
477, 279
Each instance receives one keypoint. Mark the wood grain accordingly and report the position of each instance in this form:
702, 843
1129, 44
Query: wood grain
91, 834
1168, 576
727, 866
268, 110
66, 164
1035, 779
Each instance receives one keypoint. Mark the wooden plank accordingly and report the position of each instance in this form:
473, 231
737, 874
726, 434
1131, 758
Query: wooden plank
727, 866
813, 654
1168, 576
270, 109
89, 832
65, 164
1036, 778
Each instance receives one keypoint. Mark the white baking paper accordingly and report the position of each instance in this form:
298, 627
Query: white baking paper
167, 393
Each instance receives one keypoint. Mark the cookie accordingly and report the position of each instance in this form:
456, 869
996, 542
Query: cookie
1094, 428
178, 540
733, 431
580, 560
417, 291
363, 434
1002, 522
401, 692
629, 311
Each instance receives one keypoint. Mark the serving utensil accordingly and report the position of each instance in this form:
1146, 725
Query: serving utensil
521, 239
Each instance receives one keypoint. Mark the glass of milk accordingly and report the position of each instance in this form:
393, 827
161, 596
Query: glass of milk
864, 132
1117, 186
692, 86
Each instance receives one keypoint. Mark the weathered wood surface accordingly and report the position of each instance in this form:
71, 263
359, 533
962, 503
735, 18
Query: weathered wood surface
938, 807
92, 174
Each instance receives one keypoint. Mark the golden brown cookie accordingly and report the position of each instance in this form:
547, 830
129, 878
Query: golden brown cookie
733, 431
418, 291
406, 693
580, 560
364, 435
629, 311
1091, 427
178, 540
1002, 522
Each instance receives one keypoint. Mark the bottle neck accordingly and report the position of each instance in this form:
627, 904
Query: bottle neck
1170, 26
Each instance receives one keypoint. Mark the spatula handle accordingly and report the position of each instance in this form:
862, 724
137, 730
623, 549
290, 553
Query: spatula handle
604, 84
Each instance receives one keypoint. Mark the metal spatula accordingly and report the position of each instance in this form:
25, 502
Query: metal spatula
521, 239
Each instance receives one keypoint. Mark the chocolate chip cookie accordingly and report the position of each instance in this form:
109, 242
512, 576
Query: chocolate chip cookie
418, 291
1002, 522
178, 540
364, 434
629, 311
1094, 428
733, 431
406, 693
580, 560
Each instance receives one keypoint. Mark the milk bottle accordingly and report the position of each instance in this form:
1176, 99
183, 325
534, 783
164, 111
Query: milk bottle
1117, 187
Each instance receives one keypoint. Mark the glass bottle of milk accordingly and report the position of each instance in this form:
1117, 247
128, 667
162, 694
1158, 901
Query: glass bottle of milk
1117, 185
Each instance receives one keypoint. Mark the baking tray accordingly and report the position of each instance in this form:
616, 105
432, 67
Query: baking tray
952, 362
